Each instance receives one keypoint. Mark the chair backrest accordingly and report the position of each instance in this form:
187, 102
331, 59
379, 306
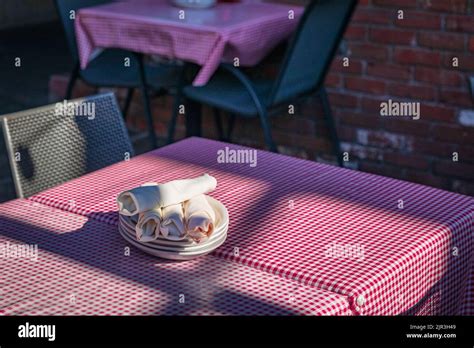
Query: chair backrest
64, 8
59, 142
312, 48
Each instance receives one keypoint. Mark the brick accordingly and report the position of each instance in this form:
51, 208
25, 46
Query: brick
463, 187
58, 85
466, 118
346, 133
406, 160
465, 152
365, 85
371, 104
294, 124
456, 97
406, 126
392, 36
413, 92
373, 16
455, 169
359, 119
311, 142
465, 61
333, 80
471, 44
438, 76
380, 169
460, 23
417, 57
453, 134
389, 71
369, 52
449, 41
441, 113
453, 6
362, 152
310, 108
400, 142
343, 99
425, 178
419, 20
355, 32
355, 65
396, 3
292, 151
435, 148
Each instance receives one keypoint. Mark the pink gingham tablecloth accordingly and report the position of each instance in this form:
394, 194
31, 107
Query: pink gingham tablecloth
247, 31
84, 267
390, 247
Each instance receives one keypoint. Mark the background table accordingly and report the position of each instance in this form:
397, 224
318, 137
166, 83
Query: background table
286, 214
247, 31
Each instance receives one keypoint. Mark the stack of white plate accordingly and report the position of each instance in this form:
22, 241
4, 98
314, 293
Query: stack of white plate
185, 249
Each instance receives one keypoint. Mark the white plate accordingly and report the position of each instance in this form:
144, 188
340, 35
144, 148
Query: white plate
222, 222
161, 241
180, 249
173, 245
182, 255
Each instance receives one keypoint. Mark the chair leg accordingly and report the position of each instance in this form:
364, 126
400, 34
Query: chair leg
230, 126
128, 99
267, 132
72, 81
146, 103
331, 125
174, 117
218, 123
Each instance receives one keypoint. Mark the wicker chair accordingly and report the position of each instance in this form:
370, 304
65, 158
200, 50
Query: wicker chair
52, 144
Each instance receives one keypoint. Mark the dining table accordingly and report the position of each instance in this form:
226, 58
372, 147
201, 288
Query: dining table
304, 238
241, 32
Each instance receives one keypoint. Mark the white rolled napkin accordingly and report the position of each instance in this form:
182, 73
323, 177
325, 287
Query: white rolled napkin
148, 225
172, 224
200, 218
143, 198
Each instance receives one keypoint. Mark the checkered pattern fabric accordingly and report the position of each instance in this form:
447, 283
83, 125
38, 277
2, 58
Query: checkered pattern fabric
83, 267
247, 31
386, 245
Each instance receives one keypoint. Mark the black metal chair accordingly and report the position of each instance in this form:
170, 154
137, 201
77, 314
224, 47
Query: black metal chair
108, 68
53, 144
471, 86
301, 74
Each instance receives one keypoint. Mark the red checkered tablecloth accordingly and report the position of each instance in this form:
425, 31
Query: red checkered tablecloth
247, 31
388, 246
84, 267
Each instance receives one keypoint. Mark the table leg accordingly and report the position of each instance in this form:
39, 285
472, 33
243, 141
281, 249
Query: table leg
193, 119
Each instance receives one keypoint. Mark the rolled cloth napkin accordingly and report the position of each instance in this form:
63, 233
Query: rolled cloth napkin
200, 218
151, 196
172, 224
148, 226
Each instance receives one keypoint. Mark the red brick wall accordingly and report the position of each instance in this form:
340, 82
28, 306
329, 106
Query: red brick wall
407, 59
